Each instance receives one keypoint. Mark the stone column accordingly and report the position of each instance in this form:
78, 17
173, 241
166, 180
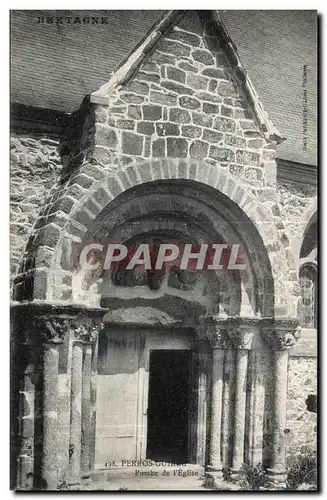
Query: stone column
283, 335
75, 413
215, 329
86, 408
239, 410
85, 333
215, 464
52, 332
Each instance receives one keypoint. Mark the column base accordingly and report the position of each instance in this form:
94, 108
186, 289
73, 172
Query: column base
277, 475
214, 472
237, 471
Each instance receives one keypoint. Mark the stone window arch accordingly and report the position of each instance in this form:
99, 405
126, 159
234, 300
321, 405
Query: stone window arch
308, 289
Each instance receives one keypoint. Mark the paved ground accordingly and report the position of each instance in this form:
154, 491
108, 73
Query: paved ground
188, 477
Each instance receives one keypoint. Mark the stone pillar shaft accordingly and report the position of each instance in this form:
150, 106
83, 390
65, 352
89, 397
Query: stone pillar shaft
86, 408
215, 464
49, 396
75, 414
227, 410
239, 409
279, 423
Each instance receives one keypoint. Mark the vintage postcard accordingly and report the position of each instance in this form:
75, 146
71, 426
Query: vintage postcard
164, 250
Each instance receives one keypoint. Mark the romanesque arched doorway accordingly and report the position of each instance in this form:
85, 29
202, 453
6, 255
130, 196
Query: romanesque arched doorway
164, 312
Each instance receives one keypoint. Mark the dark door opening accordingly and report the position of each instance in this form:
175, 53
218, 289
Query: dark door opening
168, 405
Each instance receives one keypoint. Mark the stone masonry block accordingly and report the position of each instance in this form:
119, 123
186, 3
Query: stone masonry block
255, 143
232, 140
175, 74
174, 48
148, 77
224, 124
151, 112
187, 66
202, 119
159, 148
212, 135
132, 143
167, 128
105, 136
203, 56
176, 87
199, 150
160, 58
214, 73
125, 124
270, 173
161, 98
177, 147
132, 98
227, 89
114, 186
191, 131
189, 102
197, 81
226, 111
48, 235
146, 128
222, 154
138, 87
102, 197
179, 115
134, 112
247, 158
185, 37
210, 108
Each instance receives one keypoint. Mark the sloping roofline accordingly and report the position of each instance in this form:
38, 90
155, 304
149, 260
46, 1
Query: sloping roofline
129, 67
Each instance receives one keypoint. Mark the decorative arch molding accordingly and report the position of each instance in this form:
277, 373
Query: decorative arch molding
74, 208
307, 218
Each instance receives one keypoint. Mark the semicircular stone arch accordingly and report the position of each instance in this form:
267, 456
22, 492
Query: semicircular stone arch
74, 208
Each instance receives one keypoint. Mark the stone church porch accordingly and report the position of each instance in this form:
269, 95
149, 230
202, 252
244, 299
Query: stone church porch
61, 442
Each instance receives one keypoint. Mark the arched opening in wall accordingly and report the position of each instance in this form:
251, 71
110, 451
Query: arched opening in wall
308, 304
308, 287
153, 318
179, 212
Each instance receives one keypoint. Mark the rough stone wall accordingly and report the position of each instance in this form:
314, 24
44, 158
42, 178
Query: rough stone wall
301, 423
35, 168
293, 201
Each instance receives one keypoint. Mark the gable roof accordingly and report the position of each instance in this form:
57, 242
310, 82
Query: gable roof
53, 67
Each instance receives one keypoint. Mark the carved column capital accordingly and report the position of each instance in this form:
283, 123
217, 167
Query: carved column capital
281, 333
51, 329
229, 333
86, 330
